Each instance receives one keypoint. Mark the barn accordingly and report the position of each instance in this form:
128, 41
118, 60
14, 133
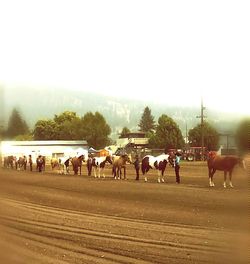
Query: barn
47, 148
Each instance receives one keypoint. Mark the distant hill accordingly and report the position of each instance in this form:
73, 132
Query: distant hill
35, 104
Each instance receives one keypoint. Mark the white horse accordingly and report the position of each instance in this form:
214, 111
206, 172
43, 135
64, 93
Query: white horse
159, 163
99, 162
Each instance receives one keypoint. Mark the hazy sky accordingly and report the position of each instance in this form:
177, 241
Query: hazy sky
164, 51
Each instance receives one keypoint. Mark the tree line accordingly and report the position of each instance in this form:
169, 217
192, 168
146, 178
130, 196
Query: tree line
165, 133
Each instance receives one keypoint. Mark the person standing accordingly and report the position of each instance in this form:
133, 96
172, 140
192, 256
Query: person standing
30, 163
177, 166
89, 164
137, 167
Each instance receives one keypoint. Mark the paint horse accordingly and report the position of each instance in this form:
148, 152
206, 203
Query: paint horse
159, 163
77, 164
64, 163
99, 163
119, 163
222, 163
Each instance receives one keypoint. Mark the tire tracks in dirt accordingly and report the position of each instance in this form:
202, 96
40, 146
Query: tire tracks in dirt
111, 239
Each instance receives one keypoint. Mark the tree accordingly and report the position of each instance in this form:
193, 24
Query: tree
125, 131
25, 137
147, 123
46, 130
16, 125
95, 130
211, 136
65, 126
242, 135
68, 123
167, 135
66, 116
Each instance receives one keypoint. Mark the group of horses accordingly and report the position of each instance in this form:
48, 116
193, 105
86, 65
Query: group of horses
159, 163
21, 163
95, 163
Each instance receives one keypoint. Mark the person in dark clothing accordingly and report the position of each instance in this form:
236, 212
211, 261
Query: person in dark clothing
89, 164
137, 167
24, 162
177, 166
39, 163
30, 163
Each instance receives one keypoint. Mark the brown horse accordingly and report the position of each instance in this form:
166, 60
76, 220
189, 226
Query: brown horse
8, 162
55, 163
77, 164
118, 164
222, 163
22, 163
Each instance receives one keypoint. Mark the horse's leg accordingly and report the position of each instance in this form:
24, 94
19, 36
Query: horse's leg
210, 172
114, 172
145, 174
212, 175
95, 171
119, 172
159, 175
124, 171
99, 172
103, 175
225, 179
162, 176
230, 179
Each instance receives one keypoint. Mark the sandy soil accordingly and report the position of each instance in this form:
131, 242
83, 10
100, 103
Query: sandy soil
51, 218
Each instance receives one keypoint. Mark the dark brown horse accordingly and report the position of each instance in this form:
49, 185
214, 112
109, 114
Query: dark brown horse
77, 164
8, 162
222, 163
40, 163
22, 163
119, 164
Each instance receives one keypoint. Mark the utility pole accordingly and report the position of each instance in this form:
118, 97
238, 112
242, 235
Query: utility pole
202, 128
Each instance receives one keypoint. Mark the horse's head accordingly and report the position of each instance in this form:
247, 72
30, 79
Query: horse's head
126, 158
211, 155
171, 159
81, 158
108, 159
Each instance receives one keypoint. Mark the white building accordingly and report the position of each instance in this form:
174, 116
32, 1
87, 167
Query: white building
47, 148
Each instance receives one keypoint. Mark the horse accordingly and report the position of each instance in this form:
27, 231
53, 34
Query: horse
64, 163
22, 163
222, 163
99, 162
119, 162
8, 162
159, 163
77, 163
55, 163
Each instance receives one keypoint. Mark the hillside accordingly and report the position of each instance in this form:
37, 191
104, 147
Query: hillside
37, 104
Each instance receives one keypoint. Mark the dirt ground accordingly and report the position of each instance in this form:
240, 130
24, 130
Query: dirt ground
51, 218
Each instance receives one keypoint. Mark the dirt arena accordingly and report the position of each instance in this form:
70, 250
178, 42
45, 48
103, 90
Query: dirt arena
51, 218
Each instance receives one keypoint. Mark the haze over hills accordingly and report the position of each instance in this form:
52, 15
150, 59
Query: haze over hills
35, 104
